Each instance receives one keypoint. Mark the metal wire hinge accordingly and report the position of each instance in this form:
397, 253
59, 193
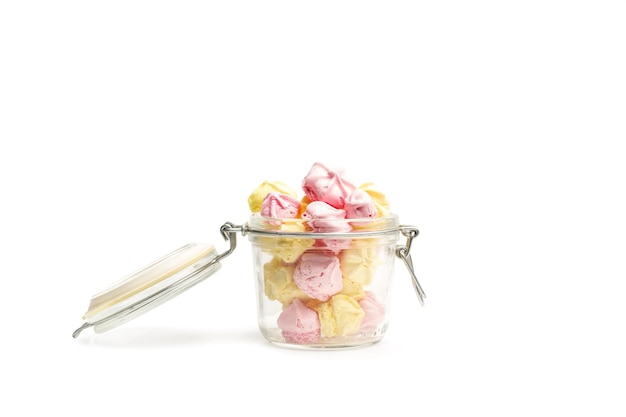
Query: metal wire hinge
229, 233
403, 252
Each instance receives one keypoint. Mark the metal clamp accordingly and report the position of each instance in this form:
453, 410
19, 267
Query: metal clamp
229, 233
403, 252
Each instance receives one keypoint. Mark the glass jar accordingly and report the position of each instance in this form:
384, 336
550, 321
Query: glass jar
323, 283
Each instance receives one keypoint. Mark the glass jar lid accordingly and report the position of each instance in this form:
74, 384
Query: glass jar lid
151, 286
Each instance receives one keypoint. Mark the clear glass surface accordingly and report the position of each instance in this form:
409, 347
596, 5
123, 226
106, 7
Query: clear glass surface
323, 285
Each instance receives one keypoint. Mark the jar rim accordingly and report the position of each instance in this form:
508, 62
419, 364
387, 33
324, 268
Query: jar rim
299, 227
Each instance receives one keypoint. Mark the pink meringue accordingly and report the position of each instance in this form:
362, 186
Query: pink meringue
320, 211
360, 205
258, 194
279, 205
334, 245
298, 323
374, 313
327, 185
318, 274
327, 219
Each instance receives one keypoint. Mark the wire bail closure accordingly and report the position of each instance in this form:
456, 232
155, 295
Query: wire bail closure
403, 252
229, 233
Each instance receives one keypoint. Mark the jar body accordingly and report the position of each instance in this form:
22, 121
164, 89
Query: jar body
323, 285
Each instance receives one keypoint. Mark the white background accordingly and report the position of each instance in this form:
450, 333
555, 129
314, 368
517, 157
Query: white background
129, 128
